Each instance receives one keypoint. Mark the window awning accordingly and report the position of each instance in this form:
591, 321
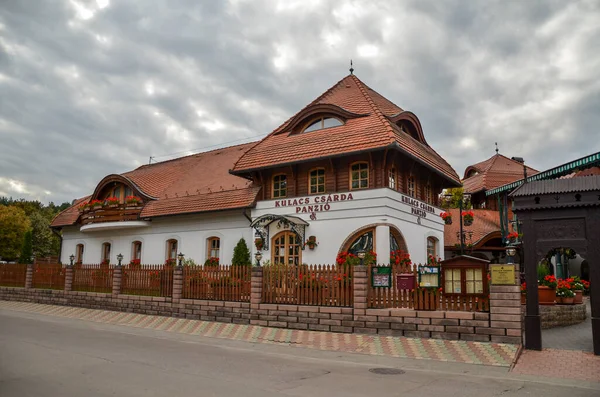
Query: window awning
296, 224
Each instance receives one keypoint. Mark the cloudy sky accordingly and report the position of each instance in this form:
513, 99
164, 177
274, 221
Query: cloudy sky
94, 87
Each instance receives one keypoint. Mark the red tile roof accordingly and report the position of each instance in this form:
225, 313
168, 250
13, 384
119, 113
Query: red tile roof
369, 128
587, 172
196, 183
484, 223
496, 171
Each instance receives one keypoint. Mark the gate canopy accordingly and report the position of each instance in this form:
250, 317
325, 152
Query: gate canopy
261, 226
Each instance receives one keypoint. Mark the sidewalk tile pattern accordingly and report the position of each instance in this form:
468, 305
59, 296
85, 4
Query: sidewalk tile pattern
496, 354
553, 363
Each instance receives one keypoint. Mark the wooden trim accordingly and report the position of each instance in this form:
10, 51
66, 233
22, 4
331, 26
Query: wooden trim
324, 180
169, 246
350, 175
286, 233
209, 241
273, 186
463, 279
334, 172
320, 116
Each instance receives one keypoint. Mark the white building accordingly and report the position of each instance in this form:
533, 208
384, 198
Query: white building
350, 171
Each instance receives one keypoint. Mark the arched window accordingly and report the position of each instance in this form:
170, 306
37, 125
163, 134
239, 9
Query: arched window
214, 247
432, 245
106, 253
410, 186
286, 249
118, 190
322, 122
279, 186
359, 176
365, 240
392, 178
316, 181
79, 253
136, 251
172, 250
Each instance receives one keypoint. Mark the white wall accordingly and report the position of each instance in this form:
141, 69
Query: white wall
344, 218
191, 231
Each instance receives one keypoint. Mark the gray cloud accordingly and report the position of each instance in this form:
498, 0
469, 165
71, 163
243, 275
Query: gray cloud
86, 91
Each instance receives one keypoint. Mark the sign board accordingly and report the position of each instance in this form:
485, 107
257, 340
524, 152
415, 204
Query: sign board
405, 281
503, 274
381, 277
429, 276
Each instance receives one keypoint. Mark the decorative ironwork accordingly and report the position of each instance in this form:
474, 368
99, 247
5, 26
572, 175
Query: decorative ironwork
262, 223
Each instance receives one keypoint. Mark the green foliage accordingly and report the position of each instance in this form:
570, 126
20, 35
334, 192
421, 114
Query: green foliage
454, 201
13, 226
27, 249
241, 254
542, 270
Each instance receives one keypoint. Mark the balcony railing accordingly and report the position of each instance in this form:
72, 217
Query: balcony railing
116, 213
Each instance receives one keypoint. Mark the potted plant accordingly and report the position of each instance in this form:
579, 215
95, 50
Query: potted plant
133, 201
577, 287
311, 242
111, 202
468, 217
564, 295
447, 217
512, 237
523, 293
259, 243
547, 290
586, 287
95, 204
211, 262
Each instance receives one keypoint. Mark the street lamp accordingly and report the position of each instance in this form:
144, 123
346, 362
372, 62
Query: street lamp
510, 254
72, 258
361, 255
119, 259
258, 257
465, 197
180, 257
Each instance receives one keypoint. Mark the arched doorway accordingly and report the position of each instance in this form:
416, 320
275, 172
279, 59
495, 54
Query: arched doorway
365, 238
286, 248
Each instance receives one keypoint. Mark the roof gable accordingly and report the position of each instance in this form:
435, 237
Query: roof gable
493, 172
369, 124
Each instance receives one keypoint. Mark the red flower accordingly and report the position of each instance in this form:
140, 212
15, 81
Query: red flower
445, 215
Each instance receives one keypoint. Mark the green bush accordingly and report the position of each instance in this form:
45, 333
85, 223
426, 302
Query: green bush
241, 254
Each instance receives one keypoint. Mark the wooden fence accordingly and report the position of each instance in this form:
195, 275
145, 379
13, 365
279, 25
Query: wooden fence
48, 276
420, 298
322, 285
228, 283
148, 280
93, 278
13, 274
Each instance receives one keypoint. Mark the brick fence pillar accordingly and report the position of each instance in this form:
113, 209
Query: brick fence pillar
256, 286
360, 281
177, 282
117, 275
69, 274
29, 276
505, 312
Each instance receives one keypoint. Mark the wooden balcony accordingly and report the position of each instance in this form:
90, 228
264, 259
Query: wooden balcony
119, 213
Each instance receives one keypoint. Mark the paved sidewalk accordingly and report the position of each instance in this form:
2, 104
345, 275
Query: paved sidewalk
565, 364
495, 354
571, 337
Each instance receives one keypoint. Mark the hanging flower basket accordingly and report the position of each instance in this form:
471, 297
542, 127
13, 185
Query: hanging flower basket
311, 242
468, 217
259, 243
447, 217
512, 237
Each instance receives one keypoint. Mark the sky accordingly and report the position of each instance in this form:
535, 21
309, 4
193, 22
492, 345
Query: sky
95, 87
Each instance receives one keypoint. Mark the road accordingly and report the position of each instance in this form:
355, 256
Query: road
51, 356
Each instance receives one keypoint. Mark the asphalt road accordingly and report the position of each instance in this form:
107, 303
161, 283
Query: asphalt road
50, 356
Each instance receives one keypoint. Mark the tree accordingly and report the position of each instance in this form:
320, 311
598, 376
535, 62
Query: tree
13, 226
43, 240
454, 201
27, 249
241, 254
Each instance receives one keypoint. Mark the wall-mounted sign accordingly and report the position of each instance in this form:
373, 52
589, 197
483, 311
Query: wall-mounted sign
405, 281
503, 274
381, 277
429, 276
418, 208
307, 205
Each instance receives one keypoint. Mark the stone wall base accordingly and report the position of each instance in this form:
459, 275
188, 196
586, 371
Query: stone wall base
562, 315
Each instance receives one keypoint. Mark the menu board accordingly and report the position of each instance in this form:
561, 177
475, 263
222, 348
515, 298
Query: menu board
381, 276
503, 274
429, 276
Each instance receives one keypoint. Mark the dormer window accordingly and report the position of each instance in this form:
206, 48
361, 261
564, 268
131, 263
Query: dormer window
323, 122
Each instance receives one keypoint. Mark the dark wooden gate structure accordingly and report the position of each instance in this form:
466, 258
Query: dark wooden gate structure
559, 213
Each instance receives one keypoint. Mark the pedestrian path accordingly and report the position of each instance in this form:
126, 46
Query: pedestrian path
496, 354
554, 363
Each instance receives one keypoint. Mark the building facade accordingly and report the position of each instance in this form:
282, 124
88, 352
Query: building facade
350, 171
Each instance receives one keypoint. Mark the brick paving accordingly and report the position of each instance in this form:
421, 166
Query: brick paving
554, 363
495, 354
572, 337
